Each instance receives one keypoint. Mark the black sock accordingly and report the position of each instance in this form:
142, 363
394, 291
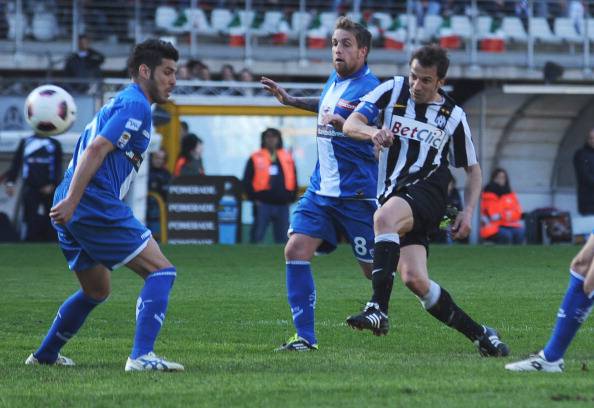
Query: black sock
385, 259
448, 312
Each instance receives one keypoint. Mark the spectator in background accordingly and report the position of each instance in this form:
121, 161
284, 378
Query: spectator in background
245, 75
189, 162
85, 64
501, 211
583, 161
39, 161
227, 73
270, 181
184, 129
424, 8
198, 70
159, 179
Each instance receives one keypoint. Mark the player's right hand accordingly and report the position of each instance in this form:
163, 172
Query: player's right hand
62, 212
275, 89
383, 138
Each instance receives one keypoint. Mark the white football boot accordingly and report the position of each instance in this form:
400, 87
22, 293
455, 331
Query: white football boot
61, 361
537, 362
150, 362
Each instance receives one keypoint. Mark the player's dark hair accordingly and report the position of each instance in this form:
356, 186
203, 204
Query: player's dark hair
273, 132
151, 53
432, 56
362, 35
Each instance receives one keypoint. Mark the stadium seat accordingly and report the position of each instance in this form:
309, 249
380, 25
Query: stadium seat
540, 30
198, 20
431, 24
247, 17
409, 22
461, 26
299, 22
484, 26
591, 29
44, 26
328, 20
384, 20
165, 17
220, 20
12, 25
514, 29
565, 30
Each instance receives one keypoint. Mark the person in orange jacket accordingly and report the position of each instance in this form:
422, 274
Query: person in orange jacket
270, 181
501, 211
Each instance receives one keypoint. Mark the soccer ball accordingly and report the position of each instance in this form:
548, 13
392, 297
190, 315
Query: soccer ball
50, 110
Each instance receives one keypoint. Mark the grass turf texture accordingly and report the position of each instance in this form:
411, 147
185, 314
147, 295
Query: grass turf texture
228, 311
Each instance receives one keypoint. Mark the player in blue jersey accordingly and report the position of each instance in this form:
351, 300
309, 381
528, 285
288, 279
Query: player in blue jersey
341, 194
97, 231
573, 311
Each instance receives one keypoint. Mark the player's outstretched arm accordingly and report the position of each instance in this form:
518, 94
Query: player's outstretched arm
474, 182
305, 103
86, 168
356, 127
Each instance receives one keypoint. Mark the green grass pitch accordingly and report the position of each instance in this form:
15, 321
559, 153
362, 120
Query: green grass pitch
228, 311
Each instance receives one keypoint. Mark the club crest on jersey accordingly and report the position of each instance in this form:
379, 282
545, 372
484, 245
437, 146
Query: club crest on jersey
423, 132
440, 121
123, 140
133, 124
344, 104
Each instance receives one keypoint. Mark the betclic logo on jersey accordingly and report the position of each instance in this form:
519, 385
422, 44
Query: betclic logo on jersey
415, 130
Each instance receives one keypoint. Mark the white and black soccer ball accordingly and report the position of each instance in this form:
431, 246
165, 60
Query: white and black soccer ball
50, 110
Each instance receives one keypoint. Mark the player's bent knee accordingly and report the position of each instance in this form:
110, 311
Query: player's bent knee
296, 252
99, 294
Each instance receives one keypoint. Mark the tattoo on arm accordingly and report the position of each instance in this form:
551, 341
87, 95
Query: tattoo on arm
306, 103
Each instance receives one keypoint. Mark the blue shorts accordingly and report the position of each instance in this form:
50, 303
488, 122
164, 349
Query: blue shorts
326, 217
102, 230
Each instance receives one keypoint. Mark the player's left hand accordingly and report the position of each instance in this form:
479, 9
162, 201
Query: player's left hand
462, 225
333, 119
62, 212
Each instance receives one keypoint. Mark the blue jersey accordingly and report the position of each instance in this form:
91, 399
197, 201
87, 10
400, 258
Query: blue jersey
126, 122
346, 168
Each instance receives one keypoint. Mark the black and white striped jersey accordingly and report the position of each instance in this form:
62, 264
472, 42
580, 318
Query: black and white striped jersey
425, 134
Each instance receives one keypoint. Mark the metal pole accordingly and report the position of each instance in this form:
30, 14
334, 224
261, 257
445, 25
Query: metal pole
248, 34
302, 30
473, 36
137, 28
586, 33
476, 219
193, 32
19, 29
75, 26
409, 28
530, 36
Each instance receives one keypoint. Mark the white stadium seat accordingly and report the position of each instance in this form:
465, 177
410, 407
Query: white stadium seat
565, 30
484, 26
539, 27
220, 20
384, 20
198, 20
461, 26
431, 25
299, 22
514, 29
165, 16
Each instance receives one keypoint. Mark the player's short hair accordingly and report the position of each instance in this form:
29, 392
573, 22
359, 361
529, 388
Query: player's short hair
362, 35
432, 56
151, 53
273, 132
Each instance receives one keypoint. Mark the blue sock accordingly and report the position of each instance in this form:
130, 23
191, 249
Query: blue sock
301, 292
71, 316
573, 312
151, 307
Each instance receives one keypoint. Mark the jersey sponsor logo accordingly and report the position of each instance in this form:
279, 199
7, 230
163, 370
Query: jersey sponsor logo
346, 104
423, 132
133, 124
123, 140
135, 158
328, 132
146, 134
